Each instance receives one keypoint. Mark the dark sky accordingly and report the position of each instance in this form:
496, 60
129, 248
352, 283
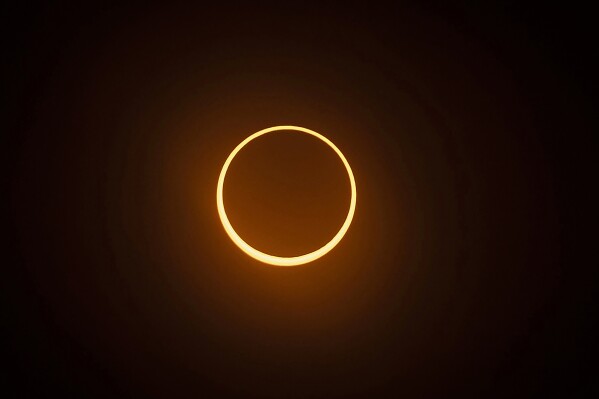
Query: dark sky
465, 271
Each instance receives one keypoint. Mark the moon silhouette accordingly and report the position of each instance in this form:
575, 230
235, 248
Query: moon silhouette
279, 260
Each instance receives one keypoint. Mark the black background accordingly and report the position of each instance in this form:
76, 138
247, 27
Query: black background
464, 272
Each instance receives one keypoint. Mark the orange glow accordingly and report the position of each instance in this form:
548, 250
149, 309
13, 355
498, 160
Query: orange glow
279, 260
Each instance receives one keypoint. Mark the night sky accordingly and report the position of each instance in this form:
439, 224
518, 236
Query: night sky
466, 270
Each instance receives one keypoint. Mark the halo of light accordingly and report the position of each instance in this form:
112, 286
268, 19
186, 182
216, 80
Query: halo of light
280, 260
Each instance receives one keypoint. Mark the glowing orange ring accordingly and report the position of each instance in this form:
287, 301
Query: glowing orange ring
279, 260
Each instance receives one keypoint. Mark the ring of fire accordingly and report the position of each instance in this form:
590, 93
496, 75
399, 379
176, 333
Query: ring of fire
279, 260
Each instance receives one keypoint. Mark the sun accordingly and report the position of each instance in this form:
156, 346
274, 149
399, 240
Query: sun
280, 260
